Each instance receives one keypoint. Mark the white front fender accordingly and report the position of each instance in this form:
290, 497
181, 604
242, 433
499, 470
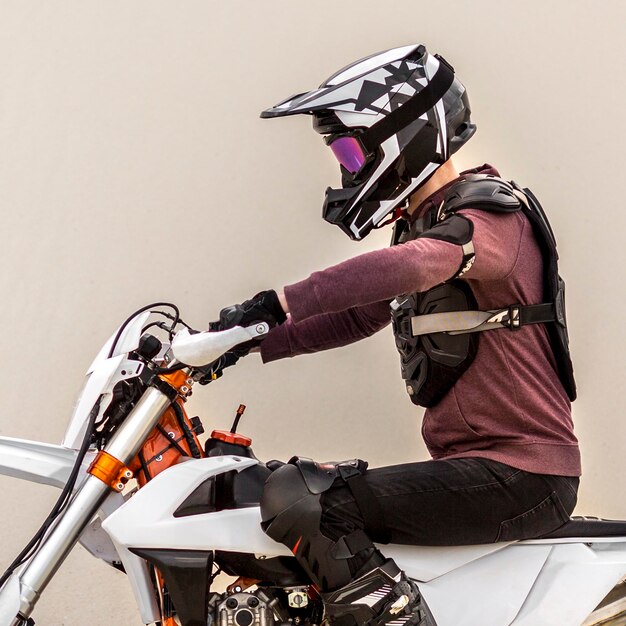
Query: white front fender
37, 462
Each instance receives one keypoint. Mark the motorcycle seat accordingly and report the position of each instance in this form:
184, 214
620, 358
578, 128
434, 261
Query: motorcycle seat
588, 527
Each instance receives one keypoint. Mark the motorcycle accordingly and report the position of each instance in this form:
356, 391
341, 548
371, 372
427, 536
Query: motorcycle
141, 493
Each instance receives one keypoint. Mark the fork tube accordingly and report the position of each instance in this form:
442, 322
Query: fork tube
124, 446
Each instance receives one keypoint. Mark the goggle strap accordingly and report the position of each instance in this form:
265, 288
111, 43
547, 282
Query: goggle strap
411, 110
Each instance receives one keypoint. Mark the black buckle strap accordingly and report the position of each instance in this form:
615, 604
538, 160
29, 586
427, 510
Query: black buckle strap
516, 316
537, 313
513, 319
350, 545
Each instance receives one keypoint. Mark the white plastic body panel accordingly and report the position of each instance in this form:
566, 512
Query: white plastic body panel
424, 563
146, 520
103, 374
139, 579
94, 539
575, 578
37, 462
128, 341
488, 591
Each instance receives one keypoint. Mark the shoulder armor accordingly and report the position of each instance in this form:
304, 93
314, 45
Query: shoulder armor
479, 191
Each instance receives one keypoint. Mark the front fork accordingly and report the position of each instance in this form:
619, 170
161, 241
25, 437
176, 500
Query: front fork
123, 447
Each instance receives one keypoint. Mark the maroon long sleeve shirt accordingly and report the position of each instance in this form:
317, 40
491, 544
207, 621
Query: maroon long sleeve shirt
510, 405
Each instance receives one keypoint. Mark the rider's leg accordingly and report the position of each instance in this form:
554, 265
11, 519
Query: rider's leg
456, 502
358, 585
449, 502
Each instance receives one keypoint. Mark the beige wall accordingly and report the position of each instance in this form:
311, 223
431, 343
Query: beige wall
133, 167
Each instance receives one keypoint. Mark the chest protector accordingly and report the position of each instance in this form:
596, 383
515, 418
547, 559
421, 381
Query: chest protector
437, 331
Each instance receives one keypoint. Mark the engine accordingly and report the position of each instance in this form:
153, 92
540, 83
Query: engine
264, 607
241, 609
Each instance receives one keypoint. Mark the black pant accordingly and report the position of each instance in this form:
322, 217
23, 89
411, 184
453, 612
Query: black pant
452, 502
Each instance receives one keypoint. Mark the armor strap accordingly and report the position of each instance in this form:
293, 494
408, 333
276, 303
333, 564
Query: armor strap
350, 545
513, 317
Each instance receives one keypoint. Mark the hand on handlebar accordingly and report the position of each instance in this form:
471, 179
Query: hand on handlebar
264, 307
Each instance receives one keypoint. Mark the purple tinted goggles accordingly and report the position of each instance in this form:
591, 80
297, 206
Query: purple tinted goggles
348, 151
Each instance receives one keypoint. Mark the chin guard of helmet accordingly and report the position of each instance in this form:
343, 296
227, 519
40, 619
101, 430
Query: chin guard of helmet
337, 204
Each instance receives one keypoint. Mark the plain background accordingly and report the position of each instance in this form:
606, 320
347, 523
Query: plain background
134, 168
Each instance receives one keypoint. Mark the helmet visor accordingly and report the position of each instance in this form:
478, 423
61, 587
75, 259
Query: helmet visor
349, 152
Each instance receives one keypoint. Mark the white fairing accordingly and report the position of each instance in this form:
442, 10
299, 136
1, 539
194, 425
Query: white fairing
128, 340
147, 521
138, 573
573, 581
529, 583
534, 583
203, 348
466, 594
103, 374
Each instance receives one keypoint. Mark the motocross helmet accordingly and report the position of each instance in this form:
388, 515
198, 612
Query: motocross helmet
391, 119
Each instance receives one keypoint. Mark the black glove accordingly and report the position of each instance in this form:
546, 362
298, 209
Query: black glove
264, 307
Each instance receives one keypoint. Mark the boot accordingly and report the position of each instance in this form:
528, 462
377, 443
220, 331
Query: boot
383, 596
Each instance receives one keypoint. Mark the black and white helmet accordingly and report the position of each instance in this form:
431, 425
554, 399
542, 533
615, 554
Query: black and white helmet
391, 119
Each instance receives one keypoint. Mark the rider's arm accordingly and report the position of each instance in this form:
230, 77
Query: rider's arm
326, 331
416, 265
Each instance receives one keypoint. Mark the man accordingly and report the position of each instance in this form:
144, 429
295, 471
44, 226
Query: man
472, 288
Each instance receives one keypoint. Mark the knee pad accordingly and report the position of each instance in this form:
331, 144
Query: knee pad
291, 514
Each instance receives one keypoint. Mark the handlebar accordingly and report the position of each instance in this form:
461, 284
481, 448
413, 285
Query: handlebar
200, 349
